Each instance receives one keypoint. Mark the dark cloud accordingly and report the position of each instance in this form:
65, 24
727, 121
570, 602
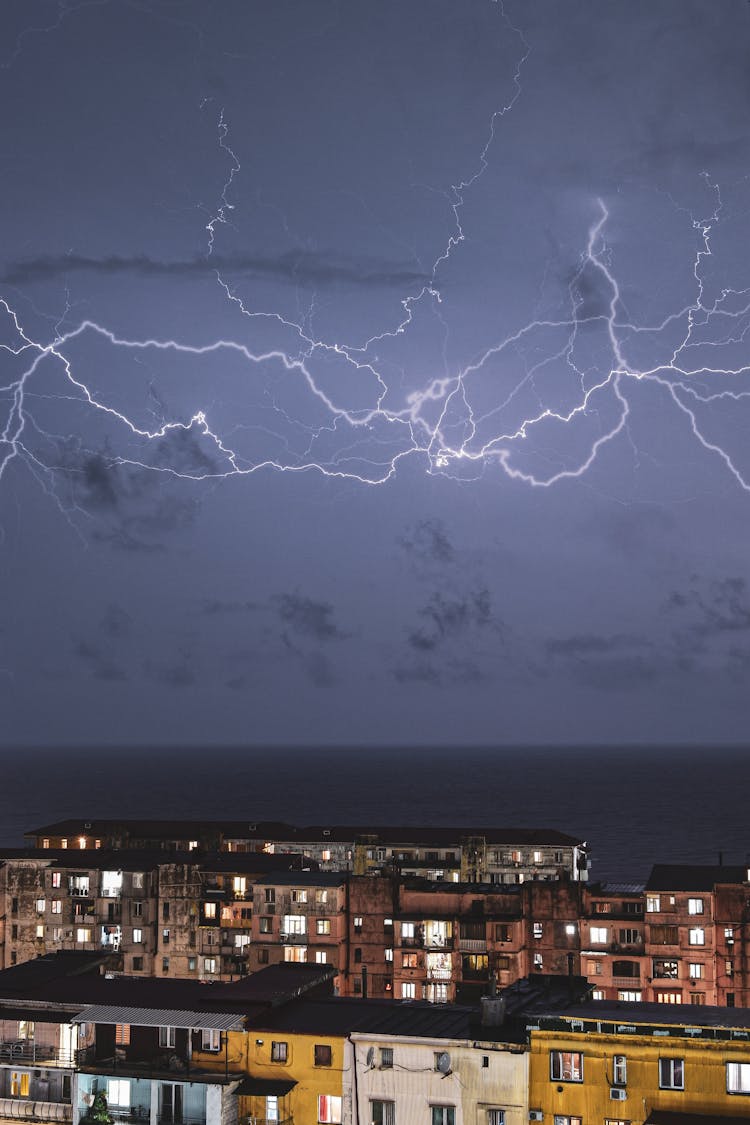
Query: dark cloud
722, 607
448, 616
308, 618
116, 622
427, 541
179, 675
293, 267
614, 662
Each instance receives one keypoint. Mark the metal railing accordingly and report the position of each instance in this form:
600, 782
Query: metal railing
26, 1050
472, 945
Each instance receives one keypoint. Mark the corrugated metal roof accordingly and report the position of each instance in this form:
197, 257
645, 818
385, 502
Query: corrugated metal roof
160, 1017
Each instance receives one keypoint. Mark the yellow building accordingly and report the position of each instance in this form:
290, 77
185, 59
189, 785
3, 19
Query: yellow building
629, 1064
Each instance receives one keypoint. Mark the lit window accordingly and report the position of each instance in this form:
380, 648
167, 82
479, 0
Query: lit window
671, 1074
41, 905
56, 879
166, 1037
321, 897
111, 884
63, 843
389, 954
294, 924
138, 880
210, 1039
566, 1119
538, 929
239, 885
57, 933
209, 964
323, 925
19, 1084
443, 1115
537, 857
81, 842
321, 957
598, 994
738, 1078
329, 1109
653, 904
118, 1092
295, 953
279, 1051
137, 936
408, 990
45, 842
566, 1066
56, 906
695, 970
322, 1054
358, 924
192, 845
669, 997
629, 995
599, 935
697, 935
192, 964
82, 936
325, 855
40, 930
619, 1070
122, 1034
695, 906
538, 961
209, 909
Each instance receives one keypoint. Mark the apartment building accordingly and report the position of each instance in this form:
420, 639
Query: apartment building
491, 855
639, 1064
156, 913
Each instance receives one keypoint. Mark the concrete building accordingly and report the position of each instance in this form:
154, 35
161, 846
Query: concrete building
454, 854
644, 1064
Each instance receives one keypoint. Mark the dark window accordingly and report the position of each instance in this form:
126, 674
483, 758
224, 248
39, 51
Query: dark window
626, 969
14, 906
14, 932
165, 964
323, 1054
137, 964
664, 935
357, 955
165, 911
279, 1051
66, 1088
502, 932
262, 956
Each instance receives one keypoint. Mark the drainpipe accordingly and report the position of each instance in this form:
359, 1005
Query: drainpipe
355, 1099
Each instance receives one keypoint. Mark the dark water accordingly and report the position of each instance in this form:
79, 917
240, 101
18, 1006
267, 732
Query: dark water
634, 807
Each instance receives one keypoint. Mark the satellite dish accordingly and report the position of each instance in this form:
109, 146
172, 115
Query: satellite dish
370, 1056
443, 1062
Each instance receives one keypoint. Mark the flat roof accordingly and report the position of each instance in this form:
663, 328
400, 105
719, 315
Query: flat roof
279, 831
693, 877
148, 859
622, 1014
75, 979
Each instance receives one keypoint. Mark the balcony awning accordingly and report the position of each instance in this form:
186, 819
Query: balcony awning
264, 1087
161, 1017
669, 1117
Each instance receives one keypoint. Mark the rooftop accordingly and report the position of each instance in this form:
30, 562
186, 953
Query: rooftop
279, 831
594, 1015
76, 980
148, 859
693, 877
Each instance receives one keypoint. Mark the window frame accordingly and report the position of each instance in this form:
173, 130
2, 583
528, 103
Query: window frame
279, 1051
557, 1063
669, 1065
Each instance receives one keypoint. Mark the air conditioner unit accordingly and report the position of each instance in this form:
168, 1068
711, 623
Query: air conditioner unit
536, 1115
617, 1094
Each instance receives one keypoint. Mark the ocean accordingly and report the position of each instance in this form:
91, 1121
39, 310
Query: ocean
635, 807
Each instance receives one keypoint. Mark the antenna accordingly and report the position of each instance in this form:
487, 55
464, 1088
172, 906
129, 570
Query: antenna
443, 1063
370, 1057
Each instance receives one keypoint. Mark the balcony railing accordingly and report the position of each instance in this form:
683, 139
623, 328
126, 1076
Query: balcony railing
293, 939
472, 945
26, 1050
440, 974
27, 1110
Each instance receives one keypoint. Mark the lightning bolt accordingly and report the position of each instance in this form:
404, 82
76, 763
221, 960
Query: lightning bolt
460, 422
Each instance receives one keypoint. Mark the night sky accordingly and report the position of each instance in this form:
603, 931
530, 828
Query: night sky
374, 371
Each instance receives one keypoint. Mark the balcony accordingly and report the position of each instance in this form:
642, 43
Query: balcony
27, 1051
472, 945
27, 1110
293, 939
441, 974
